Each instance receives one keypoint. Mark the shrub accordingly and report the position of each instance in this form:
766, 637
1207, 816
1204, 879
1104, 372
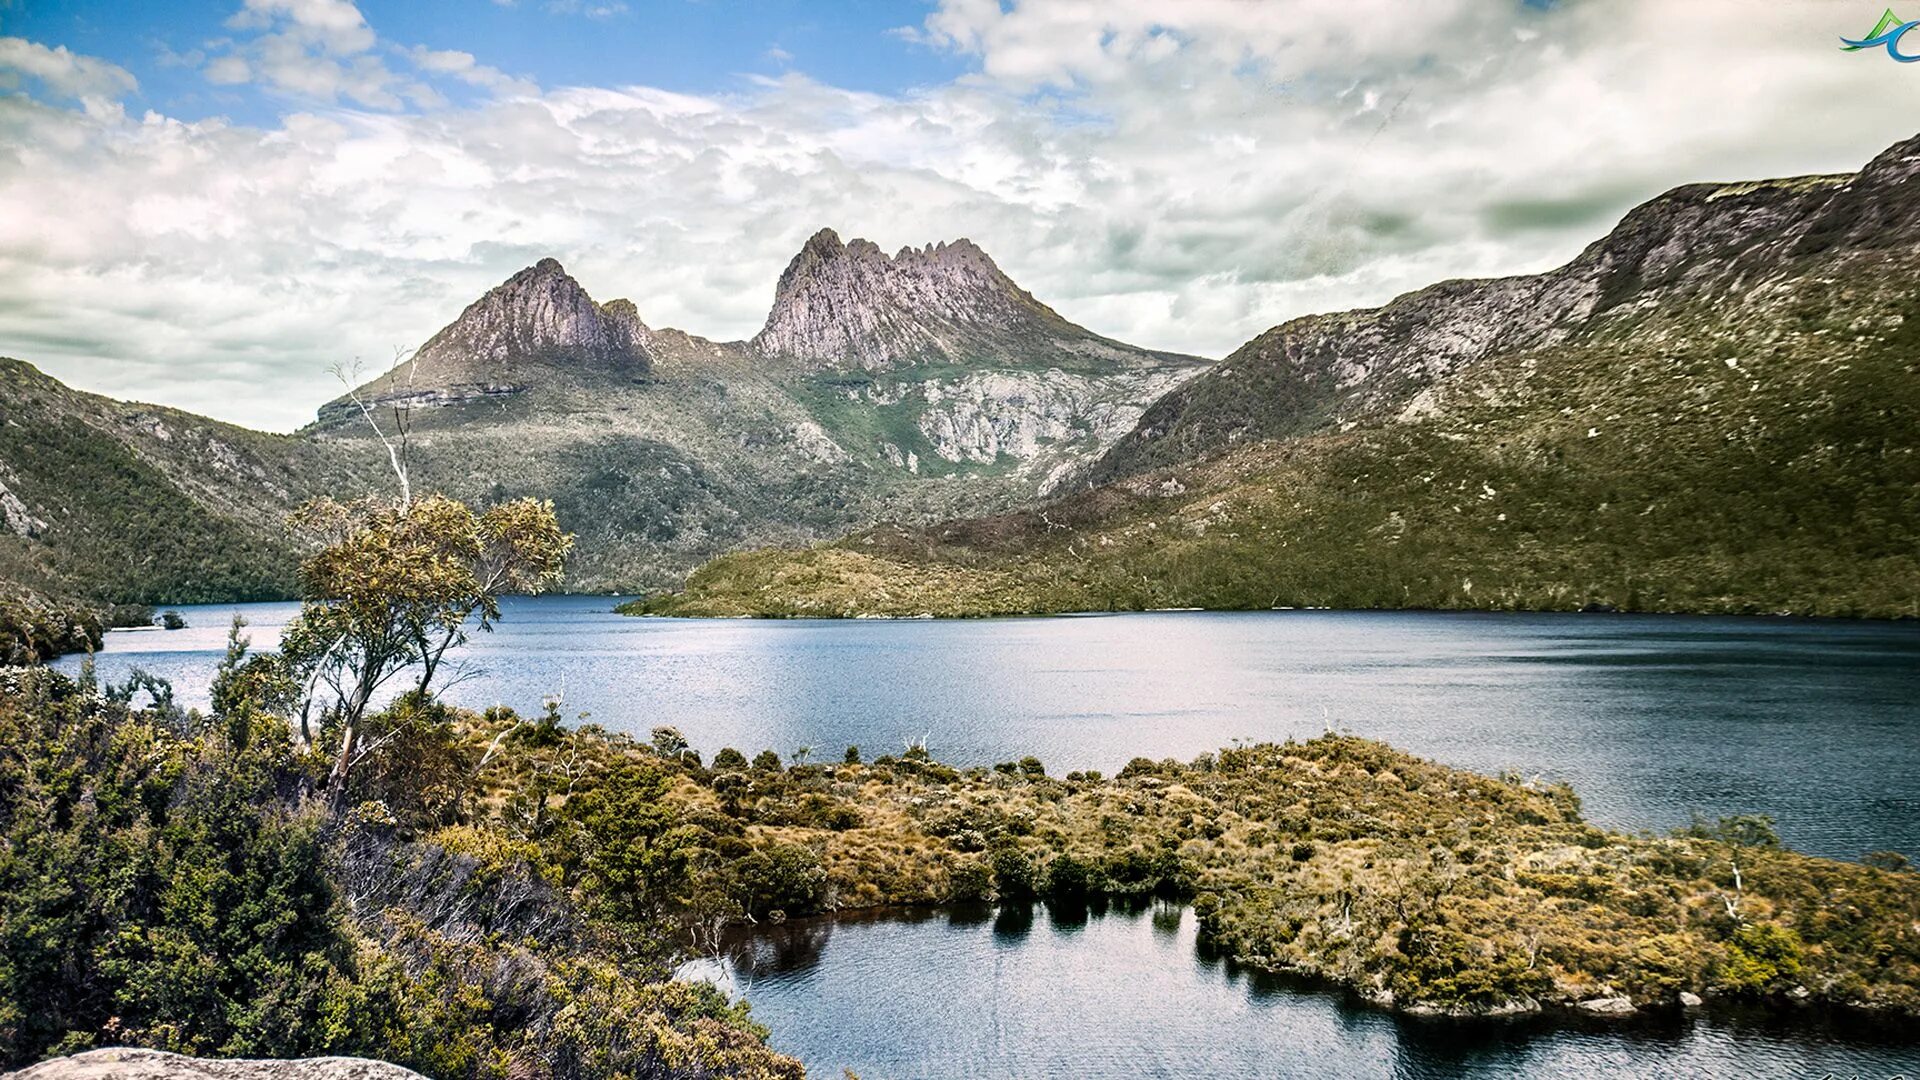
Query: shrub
1762, 958
1014, 876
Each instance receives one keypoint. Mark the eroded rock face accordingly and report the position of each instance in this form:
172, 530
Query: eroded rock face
128, 1064
1035, 417
851, 305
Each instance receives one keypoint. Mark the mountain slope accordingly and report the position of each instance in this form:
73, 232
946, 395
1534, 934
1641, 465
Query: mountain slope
117, 501
1715, 408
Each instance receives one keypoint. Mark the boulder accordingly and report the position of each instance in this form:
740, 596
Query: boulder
129, 1064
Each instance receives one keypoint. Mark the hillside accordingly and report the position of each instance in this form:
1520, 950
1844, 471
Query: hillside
1715, 408
909, 388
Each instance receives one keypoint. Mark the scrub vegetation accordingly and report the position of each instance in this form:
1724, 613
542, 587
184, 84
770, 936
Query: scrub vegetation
303, 870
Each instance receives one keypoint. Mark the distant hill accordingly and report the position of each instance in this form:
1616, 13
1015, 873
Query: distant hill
1715, 408
911, 387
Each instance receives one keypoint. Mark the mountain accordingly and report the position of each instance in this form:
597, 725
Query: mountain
909, 388
850, 305
1714, 408
536, 326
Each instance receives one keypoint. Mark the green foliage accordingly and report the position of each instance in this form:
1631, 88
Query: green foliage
394, 586
1014, 875
1762, 958
782, 879
152, 890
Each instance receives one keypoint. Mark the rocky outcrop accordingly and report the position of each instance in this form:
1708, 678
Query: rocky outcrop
131, 1064
850, 305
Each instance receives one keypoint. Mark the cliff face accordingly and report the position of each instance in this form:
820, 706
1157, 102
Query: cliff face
538, 325
852, 306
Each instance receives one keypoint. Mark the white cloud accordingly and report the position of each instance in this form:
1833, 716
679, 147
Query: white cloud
592, 9
1183, 176
65, 74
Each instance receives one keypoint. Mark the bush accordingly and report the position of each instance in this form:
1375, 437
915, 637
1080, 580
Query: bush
1762, 958
969, 880
1068, 877
786, 879
1014, 876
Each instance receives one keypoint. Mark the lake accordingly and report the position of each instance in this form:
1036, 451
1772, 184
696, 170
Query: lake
1124, 992
1650, 718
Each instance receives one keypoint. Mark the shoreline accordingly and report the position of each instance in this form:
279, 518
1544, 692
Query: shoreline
1801, 1015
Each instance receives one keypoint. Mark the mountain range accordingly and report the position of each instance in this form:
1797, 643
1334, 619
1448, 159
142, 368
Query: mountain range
904, 387
1714, 408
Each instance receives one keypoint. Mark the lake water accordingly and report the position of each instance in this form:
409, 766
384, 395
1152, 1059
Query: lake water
1650, 718
1118, 993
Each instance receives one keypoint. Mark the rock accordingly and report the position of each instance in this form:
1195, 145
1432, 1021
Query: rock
1690, 1000
853, 306
1607, 1006
1520, 1006
128, 1064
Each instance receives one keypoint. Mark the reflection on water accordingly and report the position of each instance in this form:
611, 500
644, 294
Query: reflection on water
1098, 991
1649, 717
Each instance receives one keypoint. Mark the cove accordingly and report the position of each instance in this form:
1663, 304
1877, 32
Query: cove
1119, 990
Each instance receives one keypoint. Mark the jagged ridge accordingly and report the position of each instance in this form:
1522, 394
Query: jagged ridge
851, 305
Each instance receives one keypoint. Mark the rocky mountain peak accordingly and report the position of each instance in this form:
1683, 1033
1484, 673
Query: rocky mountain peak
852, 304
540, 320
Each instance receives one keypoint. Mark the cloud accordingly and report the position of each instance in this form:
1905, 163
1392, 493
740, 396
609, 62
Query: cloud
63, 73
1183, 176
467, 69
592, 9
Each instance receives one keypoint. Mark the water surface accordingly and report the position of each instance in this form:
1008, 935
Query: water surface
1651, 718
1124, 992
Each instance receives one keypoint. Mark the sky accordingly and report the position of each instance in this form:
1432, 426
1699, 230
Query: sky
210, 204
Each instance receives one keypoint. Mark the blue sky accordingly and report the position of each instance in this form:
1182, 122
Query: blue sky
692, 46
209, 203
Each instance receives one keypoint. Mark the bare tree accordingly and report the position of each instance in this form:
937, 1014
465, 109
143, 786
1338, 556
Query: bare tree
395, 441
